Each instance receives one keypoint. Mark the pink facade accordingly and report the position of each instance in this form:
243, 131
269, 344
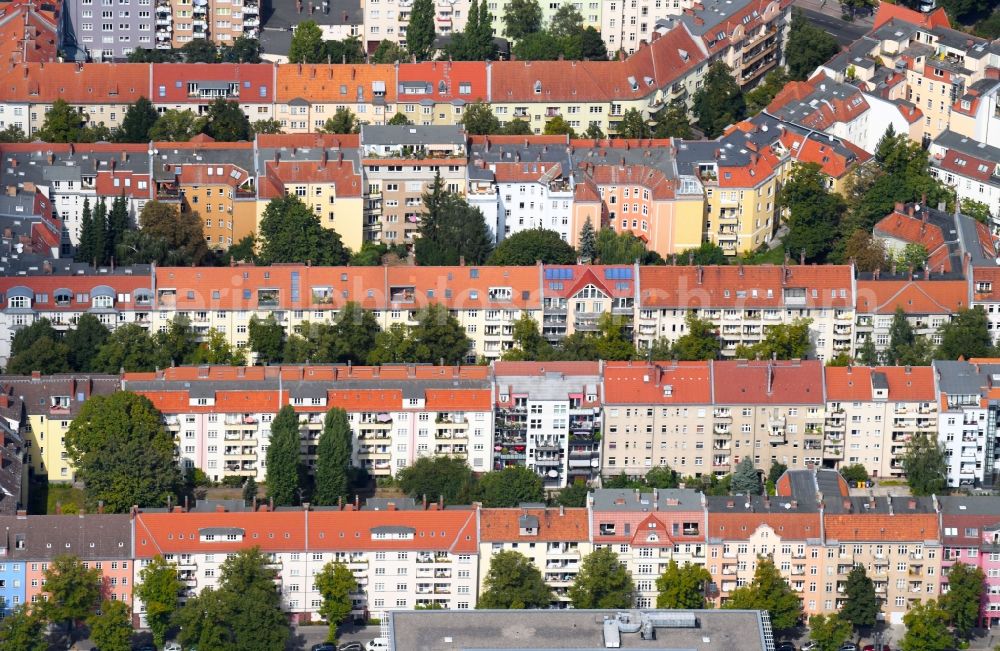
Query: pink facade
116, 586
974, 539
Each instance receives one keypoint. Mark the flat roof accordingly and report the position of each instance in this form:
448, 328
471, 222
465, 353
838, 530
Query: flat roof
570, 630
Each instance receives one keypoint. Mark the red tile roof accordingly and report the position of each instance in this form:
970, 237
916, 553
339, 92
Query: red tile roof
118, 83
326, 83
854, 383
989, 275
888, 11
680, 383
77, 286
961, 163
286, 531
255, 81
345, 179
914, 296
899, 527
539, 369
742, 525
451, 77
741, 382
554, 525
29, 32
328, 140
758, 286
912, 230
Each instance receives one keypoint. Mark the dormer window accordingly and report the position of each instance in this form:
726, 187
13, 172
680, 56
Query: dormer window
538, 88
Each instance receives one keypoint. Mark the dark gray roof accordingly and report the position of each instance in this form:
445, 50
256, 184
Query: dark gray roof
880, 381
284, 15
664, 499
36, 393
576, 630
88, 537
958, 378
374, 134
705, 22
527, 522
760, 504
210, 506
221, 531
383, 504
305, 388
390, 529
960, 505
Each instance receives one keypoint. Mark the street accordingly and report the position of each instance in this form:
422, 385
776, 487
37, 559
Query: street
845, 32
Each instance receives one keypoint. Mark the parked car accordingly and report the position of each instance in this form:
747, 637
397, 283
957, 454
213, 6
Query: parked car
784, 646
351, 646
848, 646
378, 644
324, 646
871, 647
172, 646
810, 646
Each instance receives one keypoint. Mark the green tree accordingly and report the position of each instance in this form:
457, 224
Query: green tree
529, 246
166, 236
158, 589
13, 133
291, 232
307, 43
700, 340
662, 477
348, 50
266, 338
633, 125
588, 242
706, 254
782, 341
593, 132
343, 121
966, 335
200, 50
25, 338
216, 350
176, 125
761, 96
574, 495
353, 334
867, 252
962, 602
45, 355
513, 582
97, 237
517, 127
438, 336
269, 126
926, 628
613, 341
333, 462
603, 582
509, 487
925, 465
420, 33
619, 248
451, 230
557, 126
243, 50
388, 52
335, 583
861, 604
138, 120
829, 632
436, 478
977, 210
768, 591
111, 630
672, 122
122, 453
227, 122
399, 120
84, 341
566, 21
682, 587
592, 45
523, 17
63, 123
808, 47
74, 591
479, 120
719, 102
854, 473
243, 613
283, 465
144, 55
538, 46
129, 347
119, 224
528, 342
746, 480
867, 354
813, 212
23, 630
901, 336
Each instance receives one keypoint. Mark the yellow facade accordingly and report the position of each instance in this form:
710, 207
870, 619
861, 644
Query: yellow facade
740, 220
48, 448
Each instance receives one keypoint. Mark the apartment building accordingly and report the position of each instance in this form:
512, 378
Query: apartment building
967, 419
388, 21
221, 416
107, 32
307, 95
520, 185
548, 419
624, 25
747, 35
744, 528
437, 92
655, 415
555, 540
403, 555
970, 536
648, 530
194, 86
896, 539
983, 280
50, 404
179, 22
400, 163
744, 301
970, 167
927, 302
872, 413
100, 541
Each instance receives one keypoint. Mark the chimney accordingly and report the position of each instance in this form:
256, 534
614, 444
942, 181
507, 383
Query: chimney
909, 210
701, 274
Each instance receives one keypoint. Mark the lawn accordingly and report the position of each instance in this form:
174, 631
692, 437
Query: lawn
43, 497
